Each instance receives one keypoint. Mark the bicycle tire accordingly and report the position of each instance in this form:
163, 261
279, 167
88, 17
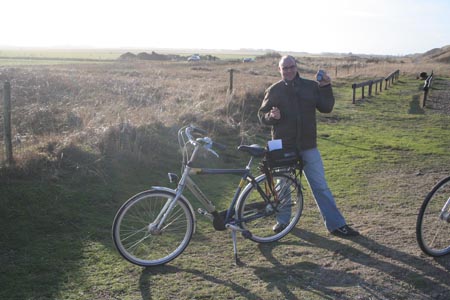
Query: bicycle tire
433, 233
256, 216
132, 235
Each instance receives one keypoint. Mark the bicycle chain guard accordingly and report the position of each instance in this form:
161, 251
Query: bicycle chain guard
219, 220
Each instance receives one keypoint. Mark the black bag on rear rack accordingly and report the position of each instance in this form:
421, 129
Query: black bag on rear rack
279, 159
282, 158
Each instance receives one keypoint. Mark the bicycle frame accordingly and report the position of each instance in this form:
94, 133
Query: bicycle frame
187, 182
445, 214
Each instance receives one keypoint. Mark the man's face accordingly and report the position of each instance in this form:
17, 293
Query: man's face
288, 69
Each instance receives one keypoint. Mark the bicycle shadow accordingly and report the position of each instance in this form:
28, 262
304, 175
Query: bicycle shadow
307, 276
146, 275
298, 275
444, 261
419, 273
323, 280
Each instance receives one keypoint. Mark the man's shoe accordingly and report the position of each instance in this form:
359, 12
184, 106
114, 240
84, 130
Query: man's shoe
279, 227
345, 231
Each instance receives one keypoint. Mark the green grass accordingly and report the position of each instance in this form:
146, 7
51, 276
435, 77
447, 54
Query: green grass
55, 237
383, 131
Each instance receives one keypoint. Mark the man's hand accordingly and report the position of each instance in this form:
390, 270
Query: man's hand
326, 80
275, 113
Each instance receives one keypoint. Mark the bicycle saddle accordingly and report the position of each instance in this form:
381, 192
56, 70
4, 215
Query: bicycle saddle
254, 150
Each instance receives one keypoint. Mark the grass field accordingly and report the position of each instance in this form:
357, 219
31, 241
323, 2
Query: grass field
19, 56
92, 135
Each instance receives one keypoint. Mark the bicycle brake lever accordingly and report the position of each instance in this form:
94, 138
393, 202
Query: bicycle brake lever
207, 144
213, 152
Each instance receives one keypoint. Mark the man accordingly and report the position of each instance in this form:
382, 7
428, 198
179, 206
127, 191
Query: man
289, 107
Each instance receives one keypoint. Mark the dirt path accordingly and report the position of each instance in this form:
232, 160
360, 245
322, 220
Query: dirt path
386, 257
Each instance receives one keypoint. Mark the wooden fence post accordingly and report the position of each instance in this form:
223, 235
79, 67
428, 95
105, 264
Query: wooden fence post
426, 88
7, 123
354, 91
230, 87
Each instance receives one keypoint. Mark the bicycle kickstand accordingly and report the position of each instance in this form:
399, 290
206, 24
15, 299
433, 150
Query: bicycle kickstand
233, 229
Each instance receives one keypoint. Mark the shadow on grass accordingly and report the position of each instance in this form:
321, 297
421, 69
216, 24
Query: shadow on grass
444, 261
56, 227
406, 268
306, 276
415, 106
146, 275
48, 232
325, 280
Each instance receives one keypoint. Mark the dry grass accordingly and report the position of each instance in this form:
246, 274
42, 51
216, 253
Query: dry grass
66, 104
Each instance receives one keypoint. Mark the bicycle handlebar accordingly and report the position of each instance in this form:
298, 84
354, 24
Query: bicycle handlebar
198, 130
207, 142
219, 146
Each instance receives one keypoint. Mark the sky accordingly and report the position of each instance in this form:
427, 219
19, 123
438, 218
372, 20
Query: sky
385, 27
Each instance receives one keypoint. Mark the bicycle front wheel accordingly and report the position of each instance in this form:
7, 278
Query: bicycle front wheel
270, 221
433, 227
144, 242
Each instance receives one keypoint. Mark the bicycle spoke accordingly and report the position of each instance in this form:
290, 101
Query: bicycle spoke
136, 243
259, 217
138, 239
132, 233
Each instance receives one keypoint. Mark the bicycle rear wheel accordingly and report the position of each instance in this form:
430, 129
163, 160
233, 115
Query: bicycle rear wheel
139, 241
259, 217
433, 227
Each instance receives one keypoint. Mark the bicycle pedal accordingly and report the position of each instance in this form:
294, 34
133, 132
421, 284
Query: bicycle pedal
204, 213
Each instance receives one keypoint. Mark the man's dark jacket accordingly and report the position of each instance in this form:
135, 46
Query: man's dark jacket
297, 101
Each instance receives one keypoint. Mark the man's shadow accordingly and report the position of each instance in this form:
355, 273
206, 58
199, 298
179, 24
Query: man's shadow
407, 268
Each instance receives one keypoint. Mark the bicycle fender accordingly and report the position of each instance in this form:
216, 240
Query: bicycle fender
164, 189
169, 190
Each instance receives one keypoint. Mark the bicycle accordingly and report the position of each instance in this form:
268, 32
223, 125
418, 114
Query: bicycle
433, 220
155, 226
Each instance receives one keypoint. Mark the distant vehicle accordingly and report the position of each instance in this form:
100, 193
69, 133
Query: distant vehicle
248, 59
194, 57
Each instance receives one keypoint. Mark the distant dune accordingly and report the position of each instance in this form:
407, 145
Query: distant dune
438, 54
